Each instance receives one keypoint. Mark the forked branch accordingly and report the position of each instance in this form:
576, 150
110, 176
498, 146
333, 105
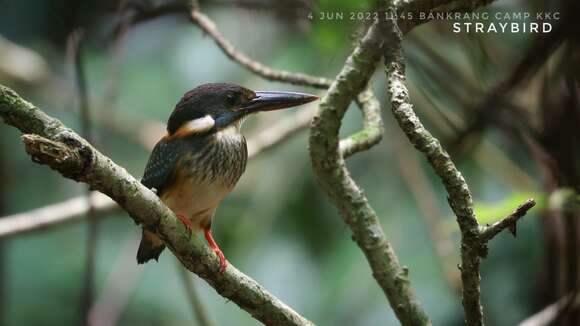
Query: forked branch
332, 174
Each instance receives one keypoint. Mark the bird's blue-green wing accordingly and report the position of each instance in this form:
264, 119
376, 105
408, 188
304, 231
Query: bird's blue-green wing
161, 164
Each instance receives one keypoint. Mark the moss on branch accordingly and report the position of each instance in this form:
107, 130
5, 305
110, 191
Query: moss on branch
333, 176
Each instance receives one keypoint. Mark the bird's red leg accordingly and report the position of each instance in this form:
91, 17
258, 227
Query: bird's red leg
187, 222
216, 249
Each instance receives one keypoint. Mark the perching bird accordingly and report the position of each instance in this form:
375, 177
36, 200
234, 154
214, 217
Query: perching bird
203, 155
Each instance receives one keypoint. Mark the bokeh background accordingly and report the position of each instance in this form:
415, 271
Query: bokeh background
505, 105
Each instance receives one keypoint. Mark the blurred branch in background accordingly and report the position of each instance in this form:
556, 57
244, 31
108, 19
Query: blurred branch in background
47, 217
550, 314
531, 61
208, 26
426, 199
119, 288
75, 51
200, 312
21, 65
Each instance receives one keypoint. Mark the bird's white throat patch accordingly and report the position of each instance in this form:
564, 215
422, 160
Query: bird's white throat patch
230, 133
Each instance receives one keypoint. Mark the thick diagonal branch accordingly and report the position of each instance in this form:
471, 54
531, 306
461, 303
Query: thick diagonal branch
335, 179
50, 142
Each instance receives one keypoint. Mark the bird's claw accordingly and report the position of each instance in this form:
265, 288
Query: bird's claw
223, 260
213, 245
186, 222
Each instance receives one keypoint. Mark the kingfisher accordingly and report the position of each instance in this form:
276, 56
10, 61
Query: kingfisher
203, 155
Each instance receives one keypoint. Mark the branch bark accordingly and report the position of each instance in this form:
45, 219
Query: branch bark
473, 241
50, 142
508, 222
333, 176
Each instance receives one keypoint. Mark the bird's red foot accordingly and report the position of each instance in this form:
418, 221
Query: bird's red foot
187, 222
213, 245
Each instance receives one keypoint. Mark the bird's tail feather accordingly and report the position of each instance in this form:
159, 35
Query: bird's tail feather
149, 248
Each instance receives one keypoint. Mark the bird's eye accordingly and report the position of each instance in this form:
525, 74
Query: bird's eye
231, 98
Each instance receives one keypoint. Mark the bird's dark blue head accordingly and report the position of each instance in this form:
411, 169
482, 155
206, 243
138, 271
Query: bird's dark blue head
211, 107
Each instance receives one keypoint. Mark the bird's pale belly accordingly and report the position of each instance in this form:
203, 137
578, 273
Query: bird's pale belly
200, 183
196, 201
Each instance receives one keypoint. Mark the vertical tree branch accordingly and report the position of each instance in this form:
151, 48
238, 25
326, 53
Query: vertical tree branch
459, 195
473, 244
334, 178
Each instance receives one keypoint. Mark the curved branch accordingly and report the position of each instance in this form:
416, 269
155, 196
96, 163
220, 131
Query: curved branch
473, 240
372, 132
334, 178
63, 150
208, 26
459, 195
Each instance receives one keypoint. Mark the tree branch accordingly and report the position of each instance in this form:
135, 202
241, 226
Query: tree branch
208, 26
372, 132
68, 211
509, 221
334, 178
473, 243
549, 315
68, 153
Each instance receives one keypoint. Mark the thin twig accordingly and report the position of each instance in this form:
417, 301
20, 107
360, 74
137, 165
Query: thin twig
333, 176
509, 221
209, 27
49, 142
279, 132
373, 128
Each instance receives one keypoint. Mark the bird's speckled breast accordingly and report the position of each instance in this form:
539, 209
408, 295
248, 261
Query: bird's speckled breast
204, 177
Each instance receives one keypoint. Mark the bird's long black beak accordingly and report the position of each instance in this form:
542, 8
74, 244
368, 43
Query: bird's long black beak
269, 101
